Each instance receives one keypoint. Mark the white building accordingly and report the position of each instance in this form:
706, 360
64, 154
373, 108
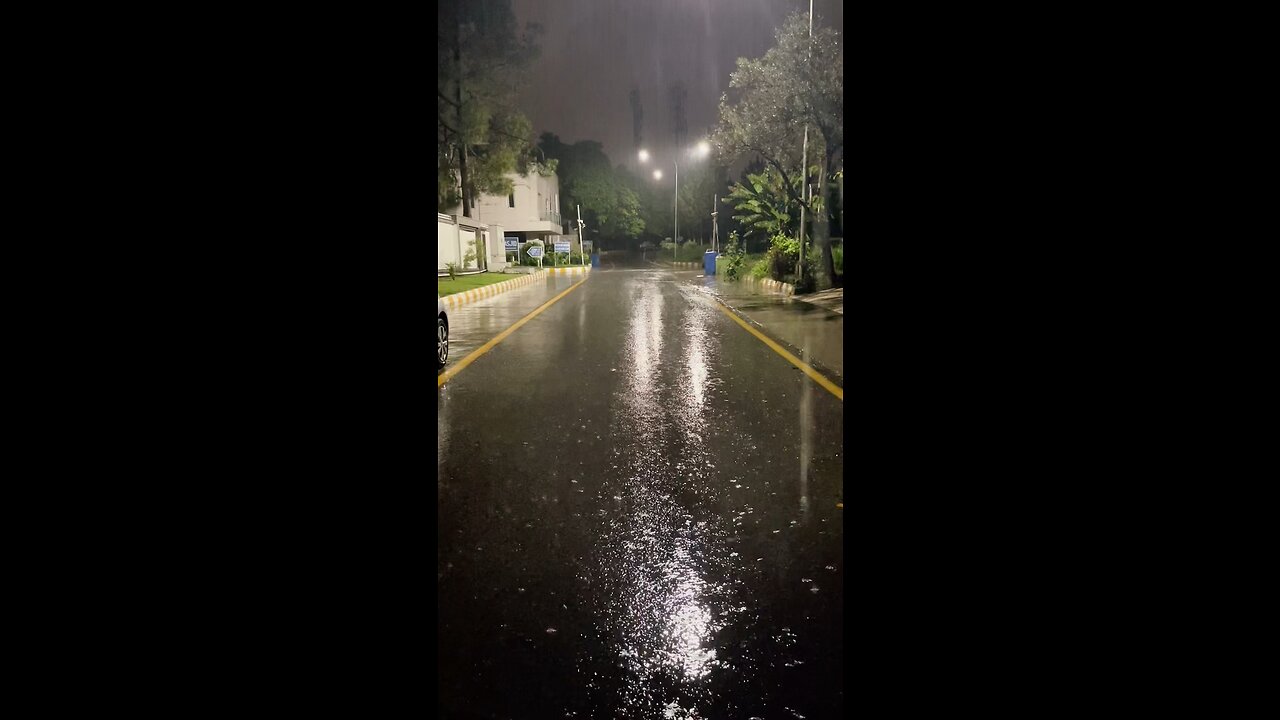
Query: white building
530, 212
469, 246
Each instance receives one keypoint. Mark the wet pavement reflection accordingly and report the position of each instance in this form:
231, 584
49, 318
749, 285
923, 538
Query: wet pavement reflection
646, 526
815, 333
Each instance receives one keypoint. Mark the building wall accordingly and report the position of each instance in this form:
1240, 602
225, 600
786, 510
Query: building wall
453, 240
535, 197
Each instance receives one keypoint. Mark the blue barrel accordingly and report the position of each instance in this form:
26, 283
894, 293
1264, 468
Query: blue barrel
709, 262
595, 260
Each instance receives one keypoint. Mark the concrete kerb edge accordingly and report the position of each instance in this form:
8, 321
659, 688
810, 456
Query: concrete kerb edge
569, 270
771, 285
459, 299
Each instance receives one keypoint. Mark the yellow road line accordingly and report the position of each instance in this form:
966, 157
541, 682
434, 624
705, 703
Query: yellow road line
804, 367
454, 370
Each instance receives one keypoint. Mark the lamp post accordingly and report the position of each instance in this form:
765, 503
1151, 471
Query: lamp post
701, 150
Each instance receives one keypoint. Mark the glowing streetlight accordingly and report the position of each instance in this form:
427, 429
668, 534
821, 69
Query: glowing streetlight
703, 149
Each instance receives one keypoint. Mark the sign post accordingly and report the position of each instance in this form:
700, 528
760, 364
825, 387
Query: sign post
535, 251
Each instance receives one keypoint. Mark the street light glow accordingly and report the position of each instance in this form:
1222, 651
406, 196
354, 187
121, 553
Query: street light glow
701, 150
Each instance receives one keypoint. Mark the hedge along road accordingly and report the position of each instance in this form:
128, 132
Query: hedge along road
640, 508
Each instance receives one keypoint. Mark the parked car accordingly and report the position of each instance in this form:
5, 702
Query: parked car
442, 331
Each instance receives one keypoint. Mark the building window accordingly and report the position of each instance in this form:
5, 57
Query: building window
511, 199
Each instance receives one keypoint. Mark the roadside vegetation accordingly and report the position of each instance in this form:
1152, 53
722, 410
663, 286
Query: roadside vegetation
447, 286
687, 252
798, 83
552, 259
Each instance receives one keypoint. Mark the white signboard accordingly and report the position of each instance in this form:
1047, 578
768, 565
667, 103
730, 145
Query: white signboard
562, 247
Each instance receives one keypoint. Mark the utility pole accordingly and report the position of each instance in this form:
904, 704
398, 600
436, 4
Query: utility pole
580, 256
675, 240
715, 229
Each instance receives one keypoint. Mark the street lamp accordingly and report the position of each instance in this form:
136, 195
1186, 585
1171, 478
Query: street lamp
701, 150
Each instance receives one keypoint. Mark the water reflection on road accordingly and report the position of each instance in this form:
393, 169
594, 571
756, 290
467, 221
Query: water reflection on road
654, 533
662, 608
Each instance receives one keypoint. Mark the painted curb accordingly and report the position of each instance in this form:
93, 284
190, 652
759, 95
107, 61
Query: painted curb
462, 298
770, 285
568, 270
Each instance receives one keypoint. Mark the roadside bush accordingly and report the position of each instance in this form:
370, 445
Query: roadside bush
561, 259
691, 252
837, 258
782, 256
806, 283
732, 258
687, 252
552, 259
760, 270
453, 270
530, 261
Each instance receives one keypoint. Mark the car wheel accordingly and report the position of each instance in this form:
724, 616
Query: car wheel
442, 341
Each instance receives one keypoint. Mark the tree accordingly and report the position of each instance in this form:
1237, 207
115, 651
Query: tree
619, 217
480, 134
610, 205
657, 208
799, 81
765, 207
698, 189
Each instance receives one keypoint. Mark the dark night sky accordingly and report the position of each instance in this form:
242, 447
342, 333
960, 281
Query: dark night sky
594, 51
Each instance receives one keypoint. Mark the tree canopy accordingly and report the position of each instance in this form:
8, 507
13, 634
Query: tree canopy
798, 82
610, 205
480, 134
765, 208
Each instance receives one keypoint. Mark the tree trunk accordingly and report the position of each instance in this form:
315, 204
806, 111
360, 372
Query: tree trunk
462, 140
824, 274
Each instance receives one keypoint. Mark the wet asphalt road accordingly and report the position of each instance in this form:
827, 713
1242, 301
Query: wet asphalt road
637, 508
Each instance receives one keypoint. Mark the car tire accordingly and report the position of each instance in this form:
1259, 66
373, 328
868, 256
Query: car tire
442, 341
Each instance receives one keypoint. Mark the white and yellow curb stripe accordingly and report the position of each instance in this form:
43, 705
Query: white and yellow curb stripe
771, 285
462, 298
568, 270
